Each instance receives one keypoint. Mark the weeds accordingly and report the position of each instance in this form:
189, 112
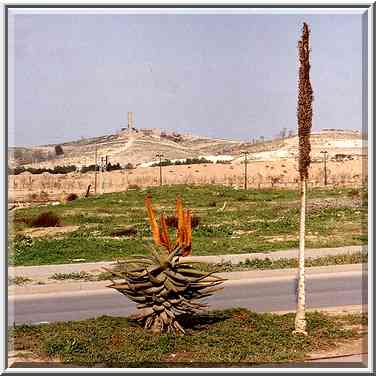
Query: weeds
172, 221
46, 219
265, 220
254, 264
74, 276
285, 263
18, 281
71, 197
230, 337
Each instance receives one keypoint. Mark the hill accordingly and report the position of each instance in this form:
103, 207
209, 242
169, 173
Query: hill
139, 147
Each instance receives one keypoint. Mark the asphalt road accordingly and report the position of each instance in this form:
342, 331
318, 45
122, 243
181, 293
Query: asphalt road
264, 294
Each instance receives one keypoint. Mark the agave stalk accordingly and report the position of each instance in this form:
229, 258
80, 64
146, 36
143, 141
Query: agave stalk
163, 286
304, 114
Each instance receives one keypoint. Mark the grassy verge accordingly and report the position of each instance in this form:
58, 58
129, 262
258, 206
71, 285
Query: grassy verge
230, 337
252, 221
81, 276
285, 263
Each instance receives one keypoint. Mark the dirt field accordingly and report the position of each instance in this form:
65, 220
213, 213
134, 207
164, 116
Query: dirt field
261, 174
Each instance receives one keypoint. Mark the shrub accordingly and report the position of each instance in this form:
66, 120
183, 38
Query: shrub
37, 171
46, 219
212, 204
188, 161
72, 197
89, 168
124, 231
172, 221
113, 167
353, 193
59, 150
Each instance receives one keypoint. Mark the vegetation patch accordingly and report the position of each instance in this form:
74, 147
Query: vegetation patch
18, 280
235, 337
229, 221
285, 263
72, 197
46, 219
255, 264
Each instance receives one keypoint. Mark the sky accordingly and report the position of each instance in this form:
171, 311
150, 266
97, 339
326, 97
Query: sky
230, 76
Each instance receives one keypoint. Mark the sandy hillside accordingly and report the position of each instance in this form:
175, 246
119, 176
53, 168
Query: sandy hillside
270, 164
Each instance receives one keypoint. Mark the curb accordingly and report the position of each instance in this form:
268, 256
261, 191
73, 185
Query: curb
252, 276
45, 271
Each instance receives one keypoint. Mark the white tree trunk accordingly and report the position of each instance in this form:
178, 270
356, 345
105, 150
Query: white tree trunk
300, 321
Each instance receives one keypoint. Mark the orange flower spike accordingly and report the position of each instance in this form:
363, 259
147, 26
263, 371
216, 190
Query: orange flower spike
165, 239
189, 228
187, 244
152, 220
180, 216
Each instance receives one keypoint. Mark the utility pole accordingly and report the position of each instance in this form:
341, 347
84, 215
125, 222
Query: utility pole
160, 156
102, 175
96, 164
245, 153
325, 172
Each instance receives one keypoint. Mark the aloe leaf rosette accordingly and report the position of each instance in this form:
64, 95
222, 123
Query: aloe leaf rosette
161, 283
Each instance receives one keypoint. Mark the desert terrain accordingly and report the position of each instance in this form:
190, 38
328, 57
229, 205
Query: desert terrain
269, 163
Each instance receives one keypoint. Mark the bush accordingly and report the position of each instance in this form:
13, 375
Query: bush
92, 167
188, 161
72, 197
172, 221
32, 170
353, 193
212, 204
44, 196
113, 167
59, 150
220, 161
124, 231
46, 219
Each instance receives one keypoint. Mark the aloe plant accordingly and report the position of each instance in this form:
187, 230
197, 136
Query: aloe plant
162, 284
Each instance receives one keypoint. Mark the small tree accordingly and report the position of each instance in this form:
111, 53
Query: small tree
305, 99
283, 133
59, 150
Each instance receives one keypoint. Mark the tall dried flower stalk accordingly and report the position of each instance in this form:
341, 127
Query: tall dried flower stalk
304, 130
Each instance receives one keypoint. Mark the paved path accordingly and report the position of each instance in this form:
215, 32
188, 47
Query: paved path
44, 271
357, 360
343, 285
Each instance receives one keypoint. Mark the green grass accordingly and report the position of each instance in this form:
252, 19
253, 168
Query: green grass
255, 264
79, 276
285, 263
253, 221
226, 338
71, 276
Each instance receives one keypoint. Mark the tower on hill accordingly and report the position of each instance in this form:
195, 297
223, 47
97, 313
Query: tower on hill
130, 121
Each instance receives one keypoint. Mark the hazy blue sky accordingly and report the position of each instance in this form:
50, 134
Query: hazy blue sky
230, 76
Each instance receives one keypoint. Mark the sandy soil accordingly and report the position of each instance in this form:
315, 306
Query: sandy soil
261, 174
